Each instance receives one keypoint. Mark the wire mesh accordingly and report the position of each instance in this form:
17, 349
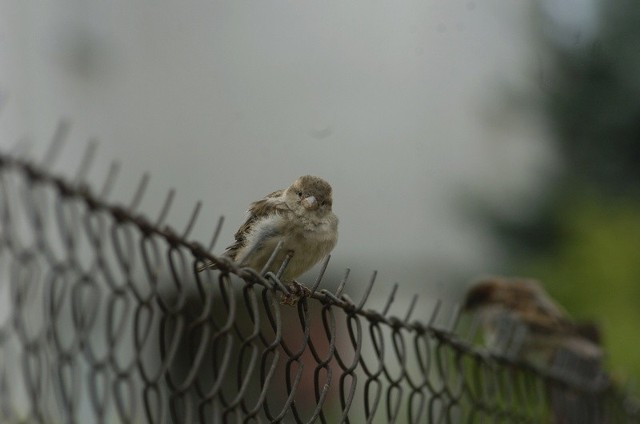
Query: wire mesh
103, 318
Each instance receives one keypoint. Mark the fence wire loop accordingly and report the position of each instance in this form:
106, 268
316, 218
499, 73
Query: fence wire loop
105, 317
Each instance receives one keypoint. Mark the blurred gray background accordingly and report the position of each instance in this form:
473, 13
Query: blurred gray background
461, 138
399, 105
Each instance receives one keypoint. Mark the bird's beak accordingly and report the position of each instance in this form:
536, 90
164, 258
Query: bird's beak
310, 203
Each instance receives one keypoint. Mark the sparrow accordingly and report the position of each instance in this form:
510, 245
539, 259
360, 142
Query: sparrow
519, 312
300, 217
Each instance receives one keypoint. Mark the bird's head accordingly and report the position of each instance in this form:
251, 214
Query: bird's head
506, 292
310, 194
482, 294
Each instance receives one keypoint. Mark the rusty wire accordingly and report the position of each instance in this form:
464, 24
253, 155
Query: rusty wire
104, 319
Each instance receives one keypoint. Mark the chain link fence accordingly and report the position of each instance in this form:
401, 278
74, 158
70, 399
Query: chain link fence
103, 319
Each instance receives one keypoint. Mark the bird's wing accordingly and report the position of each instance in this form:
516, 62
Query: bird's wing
540, 321
257, 210
538, 309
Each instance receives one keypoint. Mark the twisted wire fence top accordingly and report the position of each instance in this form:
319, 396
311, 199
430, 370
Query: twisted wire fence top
103, 318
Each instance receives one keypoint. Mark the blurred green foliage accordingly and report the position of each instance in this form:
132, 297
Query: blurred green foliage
584, 240
594, 271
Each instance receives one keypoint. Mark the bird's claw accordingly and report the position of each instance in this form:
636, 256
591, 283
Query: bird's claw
296, 292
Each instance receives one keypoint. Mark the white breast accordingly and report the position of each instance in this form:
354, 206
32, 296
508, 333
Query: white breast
309, 244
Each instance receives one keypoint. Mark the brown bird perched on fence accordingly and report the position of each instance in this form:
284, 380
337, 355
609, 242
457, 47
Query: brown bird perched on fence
300, 217
521, 310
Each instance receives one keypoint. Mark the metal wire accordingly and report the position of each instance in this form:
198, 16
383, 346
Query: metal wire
105, 319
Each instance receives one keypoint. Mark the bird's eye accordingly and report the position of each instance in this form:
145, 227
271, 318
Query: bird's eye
322, 203
299, 194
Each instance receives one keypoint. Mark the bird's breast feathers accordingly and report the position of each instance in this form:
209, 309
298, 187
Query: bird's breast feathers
308, 240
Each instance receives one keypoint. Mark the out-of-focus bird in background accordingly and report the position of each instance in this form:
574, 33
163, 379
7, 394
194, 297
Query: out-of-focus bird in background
518, 315
300, 217
519, 318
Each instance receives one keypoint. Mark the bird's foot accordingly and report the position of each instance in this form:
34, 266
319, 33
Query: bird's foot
296, 292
